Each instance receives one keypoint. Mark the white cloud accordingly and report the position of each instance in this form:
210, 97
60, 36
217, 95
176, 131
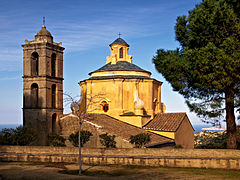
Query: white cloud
79, 29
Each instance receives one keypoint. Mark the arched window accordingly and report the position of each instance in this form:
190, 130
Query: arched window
54, 117
34, 64
34, 95
53, 96
121, 52
53, 65
105, 106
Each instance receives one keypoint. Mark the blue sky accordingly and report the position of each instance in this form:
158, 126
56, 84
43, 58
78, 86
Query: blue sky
86, 28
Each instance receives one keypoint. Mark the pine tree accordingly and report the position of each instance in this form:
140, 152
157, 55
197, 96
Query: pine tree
206, 67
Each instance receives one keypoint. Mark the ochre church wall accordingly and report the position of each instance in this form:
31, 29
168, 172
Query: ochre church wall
119, 94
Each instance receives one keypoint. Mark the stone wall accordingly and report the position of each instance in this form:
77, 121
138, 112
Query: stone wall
198, 158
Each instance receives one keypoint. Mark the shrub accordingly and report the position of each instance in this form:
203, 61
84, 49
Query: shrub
85, 136
6, 136
178, 146
21, 136
140, 139
56, 140
213, 139
107, 140
238, 137
210, 140
24, 135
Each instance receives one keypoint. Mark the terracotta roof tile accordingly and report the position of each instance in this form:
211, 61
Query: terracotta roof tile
165, 122
121, 129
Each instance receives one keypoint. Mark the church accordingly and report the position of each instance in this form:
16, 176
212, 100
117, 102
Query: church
121, 98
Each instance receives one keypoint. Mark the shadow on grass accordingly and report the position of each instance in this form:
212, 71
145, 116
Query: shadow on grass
163, 172
88, 172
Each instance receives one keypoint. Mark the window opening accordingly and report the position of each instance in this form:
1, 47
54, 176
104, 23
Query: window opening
34, 94
121, 52
53, 65
54, 117
34, 64
105, 107
53, 96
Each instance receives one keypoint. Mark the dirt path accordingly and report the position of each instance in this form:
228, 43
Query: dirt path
46, 171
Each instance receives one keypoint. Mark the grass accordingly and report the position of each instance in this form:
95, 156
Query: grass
34, 170
97, 173
125, 170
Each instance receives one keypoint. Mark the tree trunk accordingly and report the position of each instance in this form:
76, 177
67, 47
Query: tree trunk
230, 120
79, 146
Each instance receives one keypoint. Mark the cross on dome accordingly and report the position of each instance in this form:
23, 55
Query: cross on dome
119, 34
43, 20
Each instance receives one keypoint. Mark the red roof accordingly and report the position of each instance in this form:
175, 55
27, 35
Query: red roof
121, 129
166, 122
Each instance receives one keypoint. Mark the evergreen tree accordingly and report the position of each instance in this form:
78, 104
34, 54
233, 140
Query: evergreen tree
85, 137
107, 140
21, 136
140, 140
56, 140
206, 67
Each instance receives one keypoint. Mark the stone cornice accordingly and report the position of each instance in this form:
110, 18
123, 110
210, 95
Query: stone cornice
46, 76
40, 108
45, 44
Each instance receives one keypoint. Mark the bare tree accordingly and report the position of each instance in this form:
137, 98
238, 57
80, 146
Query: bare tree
81, 108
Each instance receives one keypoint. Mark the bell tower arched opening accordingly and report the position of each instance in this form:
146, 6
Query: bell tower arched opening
54, 118
34, 95
54, 96
53, 65
34, 64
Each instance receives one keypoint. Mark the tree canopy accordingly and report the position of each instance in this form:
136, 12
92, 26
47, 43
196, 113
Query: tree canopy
21, 136
140, 140
205, 69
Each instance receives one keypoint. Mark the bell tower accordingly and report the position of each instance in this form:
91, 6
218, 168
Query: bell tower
42, 84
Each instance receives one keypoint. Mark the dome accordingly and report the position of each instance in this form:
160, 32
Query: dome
44, 35
119, 41
120, 66
44, 32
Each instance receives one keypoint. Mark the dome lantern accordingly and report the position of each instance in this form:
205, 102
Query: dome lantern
119, 52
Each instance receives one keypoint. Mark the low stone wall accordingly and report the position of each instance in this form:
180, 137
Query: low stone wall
198, 158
